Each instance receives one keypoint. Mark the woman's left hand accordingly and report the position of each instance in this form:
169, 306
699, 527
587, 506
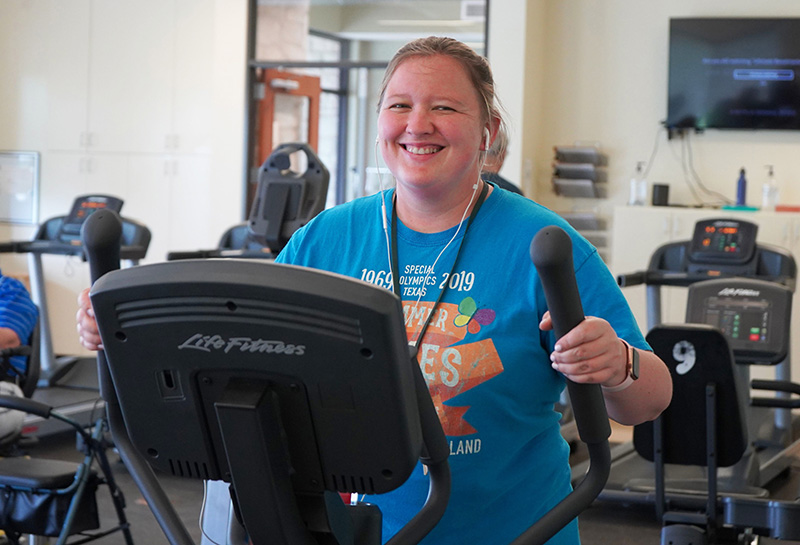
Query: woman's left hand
589, 353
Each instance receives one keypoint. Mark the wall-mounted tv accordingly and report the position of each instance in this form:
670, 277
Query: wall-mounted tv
734, 73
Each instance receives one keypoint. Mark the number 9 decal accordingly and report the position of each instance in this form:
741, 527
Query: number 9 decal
683, 352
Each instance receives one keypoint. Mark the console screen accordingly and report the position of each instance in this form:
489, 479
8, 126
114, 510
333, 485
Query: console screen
740, 319
754, 315
724, 239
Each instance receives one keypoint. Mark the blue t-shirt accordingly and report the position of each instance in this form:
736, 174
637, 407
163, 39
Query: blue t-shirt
484, 358
18, 313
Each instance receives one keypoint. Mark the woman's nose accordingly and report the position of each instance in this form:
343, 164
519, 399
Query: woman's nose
419, 122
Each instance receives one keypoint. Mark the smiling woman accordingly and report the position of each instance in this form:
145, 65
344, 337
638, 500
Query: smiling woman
458, 259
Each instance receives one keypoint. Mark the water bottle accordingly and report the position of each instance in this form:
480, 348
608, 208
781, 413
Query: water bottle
741, 189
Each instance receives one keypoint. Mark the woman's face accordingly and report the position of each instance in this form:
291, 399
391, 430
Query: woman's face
430, 124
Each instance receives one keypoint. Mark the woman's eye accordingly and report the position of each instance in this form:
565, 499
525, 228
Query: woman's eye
444, 108
398, 106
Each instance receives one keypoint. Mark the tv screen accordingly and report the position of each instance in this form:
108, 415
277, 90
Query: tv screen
734, 73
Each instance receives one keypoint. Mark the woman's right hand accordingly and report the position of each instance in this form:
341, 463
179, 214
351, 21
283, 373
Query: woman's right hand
87, 325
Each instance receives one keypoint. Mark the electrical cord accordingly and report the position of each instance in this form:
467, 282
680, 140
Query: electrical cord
685, 170
690, 175
720, 196
653, 153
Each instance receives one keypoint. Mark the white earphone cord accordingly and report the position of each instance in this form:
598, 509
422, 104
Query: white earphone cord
384, 217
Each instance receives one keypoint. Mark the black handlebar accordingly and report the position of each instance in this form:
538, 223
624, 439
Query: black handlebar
101, 234
551, 253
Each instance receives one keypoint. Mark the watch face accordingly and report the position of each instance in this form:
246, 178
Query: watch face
634, 363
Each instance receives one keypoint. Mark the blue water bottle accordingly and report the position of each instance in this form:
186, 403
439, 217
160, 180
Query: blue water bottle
741, 189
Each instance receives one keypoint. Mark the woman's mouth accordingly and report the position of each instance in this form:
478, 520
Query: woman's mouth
421, 150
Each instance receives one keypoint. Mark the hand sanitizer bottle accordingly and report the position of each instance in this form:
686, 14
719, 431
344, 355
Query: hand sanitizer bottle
769, 192
638, 190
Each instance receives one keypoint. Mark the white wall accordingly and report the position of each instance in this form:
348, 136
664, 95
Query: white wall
162, 93
603, 78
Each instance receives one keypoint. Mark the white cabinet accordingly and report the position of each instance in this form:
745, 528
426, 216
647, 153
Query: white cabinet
172, 196
779, 229
23, 90
131, 76
66, 71
66, 175
131, 69
192, 99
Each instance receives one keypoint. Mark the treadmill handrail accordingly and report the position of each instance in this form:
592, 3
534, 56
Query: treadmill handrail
657, 275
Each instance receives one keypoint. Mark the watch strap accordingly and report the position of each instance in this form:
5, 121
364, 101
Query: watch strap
630, 375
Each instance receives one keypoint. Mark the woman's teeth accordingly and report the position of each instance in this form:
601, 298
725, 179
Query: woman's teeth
427, 150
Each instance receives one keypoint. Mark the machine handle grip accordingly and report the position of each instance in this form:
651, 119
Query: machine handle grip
101, 234
551, 253
631, 279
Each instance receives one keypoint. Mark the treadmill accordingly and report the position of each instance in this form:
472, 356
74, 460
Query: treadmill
66, 382
744, 291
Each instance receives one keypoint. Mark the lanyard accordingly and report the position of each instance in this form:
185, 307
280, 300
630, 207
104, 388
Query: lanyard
395, 261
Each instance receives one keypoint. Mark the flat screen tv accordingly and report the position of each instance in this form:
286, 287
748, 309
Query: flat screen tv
734, 73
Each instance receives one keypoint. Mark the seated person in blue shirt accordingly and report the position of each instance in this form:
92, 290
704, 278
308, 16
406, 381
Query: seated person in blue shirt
18, 315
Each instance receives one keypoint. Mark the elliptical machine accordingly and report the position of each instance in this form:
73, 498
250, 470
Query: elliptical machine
285, 201
243, 419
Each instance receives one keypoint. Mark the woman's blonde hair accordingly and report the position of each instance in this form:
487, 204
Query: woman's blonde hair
476, 67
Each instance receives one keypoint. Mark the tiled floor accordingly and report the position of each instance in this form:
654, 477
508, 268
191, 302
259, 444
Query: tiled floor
601, 524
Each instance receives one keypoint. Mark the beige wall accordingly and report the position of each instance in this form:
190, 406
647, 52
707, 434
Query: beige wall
567, 70
596, 71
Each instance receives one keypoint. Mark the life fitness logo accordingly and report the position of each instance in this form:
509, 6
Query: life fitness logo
208, 343
739, 292
684, 352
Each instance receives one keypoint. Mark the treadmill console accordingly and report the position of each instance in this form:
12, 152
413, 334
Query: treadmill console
82, 208
754, 315
723, 241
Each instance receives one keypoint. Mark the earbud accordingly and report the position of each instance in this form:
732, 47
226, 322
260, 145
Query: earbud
487, 136
377, 139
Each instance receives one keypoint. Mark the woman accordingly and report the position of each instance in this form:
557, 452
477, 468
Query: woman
455, 250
